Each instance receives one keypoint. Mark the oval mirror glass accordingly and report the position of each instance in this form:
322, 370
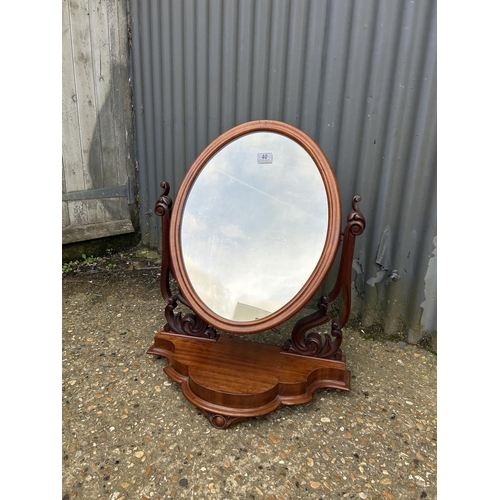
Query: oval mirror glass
254, 226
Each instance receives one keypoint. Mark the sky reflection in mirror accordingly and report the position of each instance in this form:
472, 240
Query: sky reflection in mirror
252, 232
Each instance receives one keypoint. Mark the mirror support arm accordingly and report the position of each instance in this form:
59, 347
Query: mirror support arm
188, 324
163, 208
313, 344
355, 226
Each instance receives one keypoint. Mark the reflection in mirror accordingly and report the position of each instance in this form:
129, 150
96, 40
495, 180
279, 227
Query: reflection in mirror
254, 226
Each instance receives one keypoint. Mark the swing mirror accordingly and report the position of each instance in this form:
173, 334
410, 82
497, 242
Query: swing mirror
255, 227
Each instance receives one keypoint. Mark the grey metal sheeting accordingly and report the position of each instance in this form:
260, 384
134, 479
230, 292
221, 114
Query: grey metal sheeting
359, 77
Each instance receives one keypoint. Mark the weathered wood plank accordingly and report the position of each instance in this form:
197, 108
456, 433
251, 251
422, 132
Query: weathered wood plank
65, 215
78, 212
118, 95
101, 66
96, 211
93, 231
71, 147
122, 88
84, 78
85, 86
71, 140
102, 158
113, 208
65, 212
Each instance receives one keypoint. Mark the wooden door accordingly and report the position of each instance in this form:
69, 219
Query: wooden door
97, 172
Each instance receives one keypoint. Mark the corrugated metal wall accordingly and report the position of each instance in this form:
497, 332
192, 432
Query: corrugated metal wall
357, 76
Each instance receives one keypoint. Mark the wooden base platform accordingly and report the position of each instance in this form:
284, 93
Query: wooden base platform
231, 380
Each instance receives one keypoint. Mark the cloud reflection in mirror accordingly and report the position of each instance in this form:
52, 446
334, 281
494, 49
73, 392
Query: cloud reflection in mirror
252, 233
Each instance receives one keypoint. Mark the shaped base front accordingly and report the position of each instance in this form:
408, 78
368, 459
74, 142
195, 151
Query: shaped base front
231, 380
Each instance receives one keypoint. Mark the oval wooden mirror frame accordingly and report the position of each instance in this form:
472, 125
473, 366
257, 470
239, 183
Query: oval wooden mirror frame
325, 261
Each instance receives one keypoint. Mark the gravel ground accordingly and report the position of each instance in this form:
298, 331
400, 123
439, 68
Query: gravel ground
128, 432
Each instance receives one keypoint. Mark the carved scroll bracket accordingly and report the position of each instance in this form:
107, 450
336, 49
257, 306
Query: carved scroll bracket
188, 324
328, 346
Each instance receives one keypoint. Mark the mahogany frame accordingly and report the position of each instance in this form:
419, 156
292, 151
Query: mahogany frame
231, 380
329, 250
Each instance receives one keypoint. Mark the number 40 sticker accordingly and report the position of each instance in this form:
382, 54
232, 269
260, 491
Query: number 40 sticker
264, 157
